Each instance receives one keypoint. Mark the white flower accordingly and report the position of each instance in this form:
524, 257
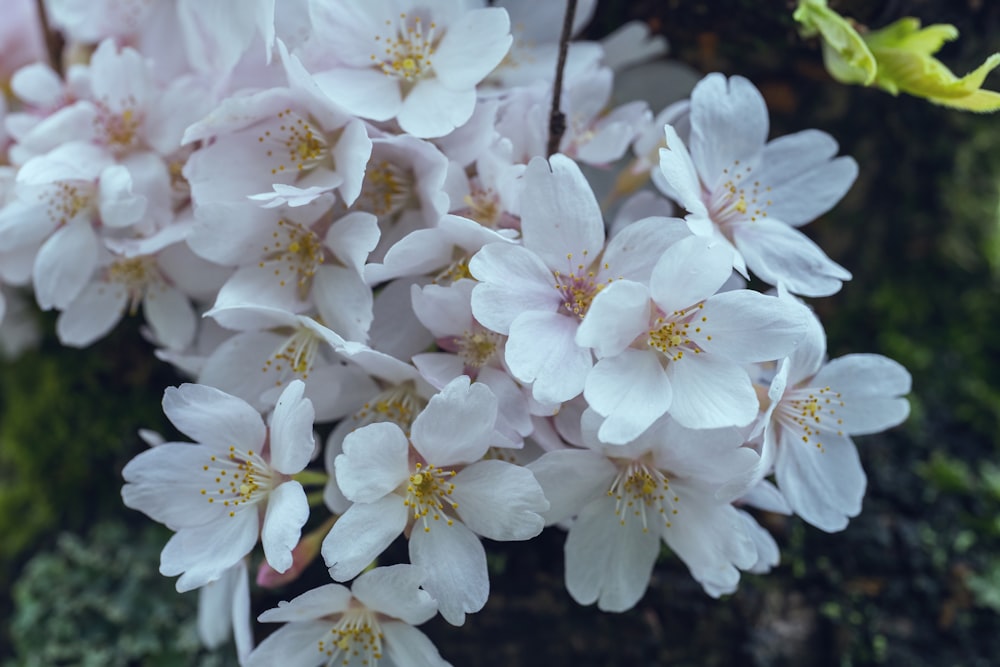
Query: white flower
416, 62
219, 494
371, 624
440, 490
815, 406
754, 195
673, 484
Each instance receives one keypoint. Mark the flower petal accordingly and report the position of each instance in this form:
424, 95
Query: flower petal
361, 534
499, 500
287, 511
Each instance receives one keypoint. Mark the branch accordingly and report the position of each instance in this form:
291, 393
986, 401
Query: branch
557, 119
53, 40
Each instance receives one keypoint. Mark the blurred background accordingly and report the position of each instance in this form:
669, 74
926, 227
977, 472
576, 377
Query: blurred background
914, 580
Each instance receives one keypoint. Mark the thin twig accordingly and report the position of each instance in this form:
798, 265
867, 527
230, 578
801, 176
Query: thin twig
557, 119
53, 40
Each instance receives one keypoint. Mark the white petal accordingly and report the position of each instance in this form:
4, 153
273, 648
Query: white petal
292, 441
434, 110
542, 349
64, 265
571, 478
204, 553
728, 123
512, 280
327, 600
473, 45
869, 386
395, 591
213, 417
95, 312
361, 534
374, 462
690, 271
559, 213
747, 326
170, 314
499, 500
607, 562
681, 176
616, 317
287, 512
292, 644
367, 93
631, 391
780, 254
824, 486
455, 563
711, 393
457, 423
405, 645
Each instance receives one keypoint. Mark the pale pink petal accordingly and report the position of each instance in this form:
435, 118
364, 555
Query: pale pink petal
824, 486
433, 110
780, 254
368, 93
64, 265
728, 122
292, 644
681, 177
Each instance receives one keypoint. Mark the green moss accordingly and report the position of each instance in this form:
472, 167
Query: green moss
101, 602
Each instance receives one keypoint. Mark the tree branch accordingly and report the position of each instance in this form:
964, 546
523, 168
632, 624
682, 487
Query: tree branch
557, 119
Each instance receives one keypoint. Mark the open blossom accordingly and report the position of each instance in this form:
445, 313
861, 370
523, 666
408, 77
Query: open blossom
751, 194
235, 484
369, 624
672, 484
439, 491
416, 62
814, 408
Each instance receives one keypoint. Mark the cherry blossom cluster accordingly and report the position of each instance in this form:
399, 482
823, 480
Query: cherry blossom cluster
343, 215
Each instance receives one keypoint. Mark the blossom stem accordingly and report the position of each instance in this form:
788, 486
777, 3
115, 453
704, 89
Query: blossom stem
557, 119
53, 40
311, 477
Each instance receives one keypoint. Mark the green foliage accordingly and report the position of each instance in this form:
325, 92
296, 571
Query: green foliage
102, 603
68, 420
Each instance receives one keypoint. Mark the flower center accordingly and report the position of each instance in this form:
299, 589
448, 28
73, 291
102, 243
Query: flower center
642, 493
477, 347
387, 189
118, 131
136, 275
407, 48
579, 287
357, 639
400, 405
295, 143
296, 252
737, 199
671, 334
240, 478
812, 412
69, 199
428, 491
295, 356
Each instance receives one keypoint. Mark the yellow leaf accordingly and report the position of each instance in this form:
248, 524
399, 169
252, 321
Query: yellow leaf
845, 54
